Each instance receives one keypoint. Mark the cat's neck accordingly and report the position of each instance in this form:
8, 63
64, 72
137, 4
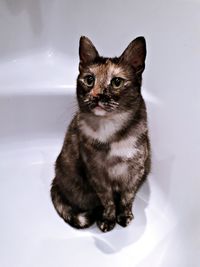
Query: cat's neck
103, 129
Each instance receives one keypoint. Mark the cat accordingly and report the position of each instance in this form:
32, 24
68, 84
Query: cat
106, 152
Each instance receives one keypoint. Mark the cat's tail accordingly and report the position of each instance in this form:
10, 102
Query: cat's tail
74, 218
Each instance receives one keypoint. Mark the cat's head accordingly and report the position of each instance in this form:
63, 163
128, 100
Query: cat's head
109, 85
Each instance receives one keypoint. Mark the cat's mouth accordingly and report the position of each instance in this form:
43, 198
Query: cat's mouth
101, 106
99, 109
104, 108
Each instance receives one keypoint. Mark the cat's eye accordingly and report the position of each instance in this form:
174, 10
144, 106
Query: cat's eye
117, 82
89, 80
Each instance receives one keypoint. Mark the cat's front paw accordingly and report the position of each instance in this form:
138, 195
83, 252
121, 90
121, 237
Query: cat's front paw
124, 219
106, 225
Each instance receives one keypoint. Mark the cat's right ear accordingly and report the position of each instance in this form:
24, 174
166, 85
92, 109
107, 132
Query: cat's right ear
87, 52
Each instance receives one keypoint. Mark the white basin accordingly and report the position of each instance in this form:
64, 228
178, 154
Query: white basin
38, 68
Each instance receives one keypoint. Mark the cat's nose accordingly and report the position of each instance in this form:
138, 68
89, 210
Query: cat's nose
96, 91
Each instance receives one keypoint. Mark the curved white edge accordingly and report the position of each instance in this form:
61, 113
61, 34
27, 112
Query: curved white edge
39, 90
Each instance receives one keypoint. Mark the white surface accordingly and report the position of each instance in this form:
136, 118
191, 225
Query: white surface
38, 66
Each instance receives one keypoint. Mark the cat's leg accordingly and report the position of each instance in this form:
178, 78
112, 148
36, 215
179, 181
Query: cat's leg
106, 219
71, 216
127, 195
124, 208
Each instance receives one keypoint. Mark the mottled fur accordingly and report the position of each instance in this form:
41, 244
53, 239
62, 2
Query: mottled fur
106, 152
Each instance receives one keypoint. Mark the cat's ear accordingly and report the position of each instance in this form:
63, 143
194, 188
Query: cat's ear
135, 54
87, 51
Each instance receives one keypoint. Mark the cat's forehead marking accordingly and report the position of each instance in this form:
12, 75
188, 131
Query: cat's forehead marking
105, 72
114, 69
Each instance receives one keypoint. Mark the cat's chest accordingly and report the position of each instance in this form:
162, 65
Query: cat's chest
105, 129
125, 148
105, 151
114, 158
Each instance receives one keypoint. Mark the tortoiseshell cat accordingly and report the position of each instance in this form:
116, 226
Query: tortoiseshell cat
106, 153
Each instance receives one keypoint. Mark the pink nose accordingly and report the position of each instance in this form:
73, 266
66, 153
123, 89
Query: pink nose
95, 91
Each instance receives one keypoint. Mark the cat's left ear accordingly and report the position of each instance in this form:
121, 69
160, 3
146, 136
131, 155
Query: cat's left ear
87, 51
135, 54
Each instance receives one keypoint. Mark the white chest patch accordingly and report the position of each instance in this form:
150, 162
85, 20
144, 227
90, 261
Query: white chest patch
107, 127
125, 148
120, 169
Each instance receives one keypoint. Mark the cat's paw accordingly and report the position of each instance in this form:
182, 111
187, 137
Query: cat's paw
125, 219
106, 225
